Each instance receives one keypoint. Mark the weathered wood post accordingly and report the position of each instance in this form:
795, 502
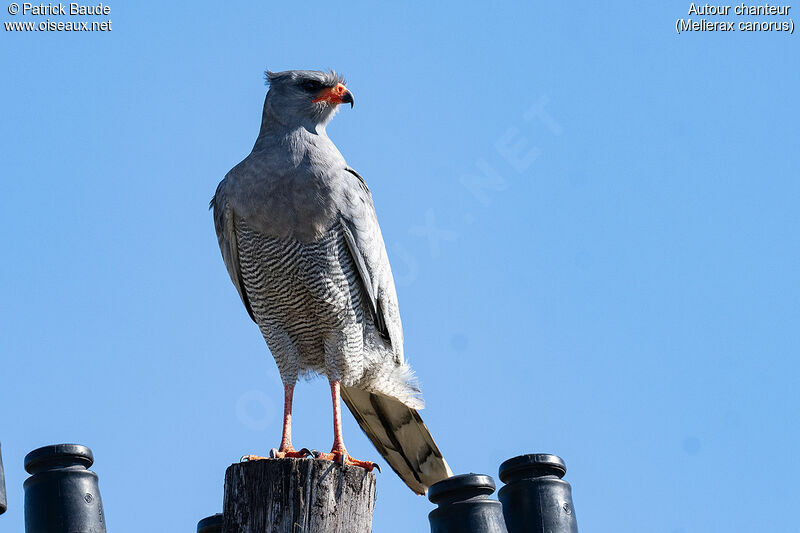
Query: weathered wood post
297, 496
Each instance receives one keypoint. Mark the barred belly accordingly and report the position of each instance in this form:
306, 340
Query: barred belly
307, 301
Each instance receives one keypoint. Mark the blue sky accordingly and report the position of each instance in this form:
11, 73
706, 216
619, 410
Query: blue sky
593, 223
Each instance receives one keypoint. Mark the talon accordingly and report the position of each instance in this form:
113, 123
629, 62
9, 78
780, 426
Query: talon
343, 458
306, 452
377, 466
248, 458
288, 453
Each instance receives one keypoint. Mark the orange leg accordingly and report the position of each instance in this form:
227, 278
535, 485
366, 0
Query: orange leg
286, 449
338, 451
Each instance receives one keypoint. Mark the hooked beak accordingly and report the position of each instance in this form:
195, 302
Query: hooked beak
347, 98
335, 95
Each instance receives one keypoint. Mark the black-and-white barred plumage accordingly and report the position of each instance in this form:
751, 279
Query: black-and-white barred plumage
307, 302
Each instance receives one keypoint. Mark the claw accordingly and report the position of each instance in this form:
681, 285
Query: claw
288, 454
247, 458
377, 466
343, 458
306, 452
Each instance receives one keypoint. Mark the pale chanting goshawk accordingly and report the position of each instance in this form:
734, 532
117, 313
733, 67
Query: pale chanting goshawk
301, 242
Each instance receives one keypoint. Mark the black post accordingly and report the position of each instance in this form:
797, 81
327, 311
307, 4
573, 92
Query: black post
464, 506
210, 524
3, 501
535, 498
62, 495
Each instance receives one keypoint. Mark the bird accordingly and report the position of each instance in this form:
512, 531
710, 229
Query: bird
300, 239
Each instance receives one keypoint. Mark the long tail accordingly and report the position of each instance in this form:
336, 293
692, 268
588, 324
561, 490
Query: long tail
400, 436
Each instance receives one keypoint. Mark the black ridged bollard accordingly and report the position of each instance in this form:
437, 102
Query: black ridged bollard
3, 501
535, 498
210, 524
464, 506
62, 495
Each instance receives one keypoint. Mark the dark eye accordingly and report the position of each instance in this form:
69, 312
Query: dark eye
311, 86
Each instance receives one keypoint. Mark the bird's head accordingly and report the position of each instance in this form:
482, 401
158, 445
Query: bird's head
298, 97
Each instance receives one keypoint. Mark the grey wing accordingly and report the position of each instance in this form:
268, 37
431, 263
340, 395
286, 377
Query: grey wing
225, 224
392, 424
365, 242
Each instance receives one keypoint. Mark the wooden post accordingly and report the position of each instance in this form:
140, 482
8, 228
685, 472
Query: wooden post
298, 496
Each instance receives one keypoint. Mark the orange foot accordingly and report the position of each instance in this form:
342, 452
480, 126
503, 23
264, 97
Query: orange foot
278, 454
342, 457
